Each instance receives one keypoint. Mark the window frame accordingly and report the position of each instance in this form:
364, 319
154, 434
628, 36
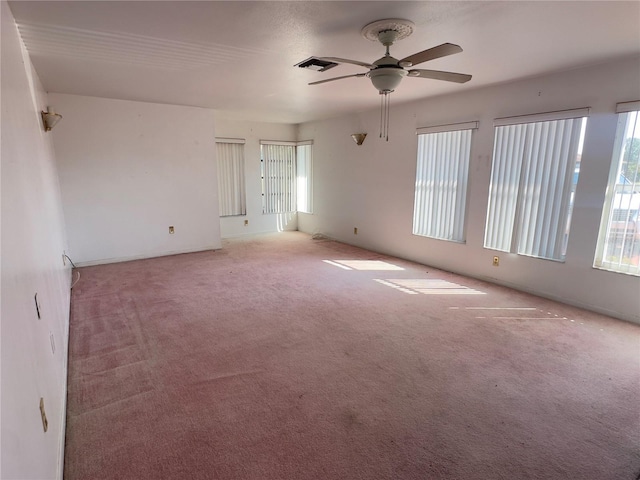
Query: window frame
304, 185
624, 113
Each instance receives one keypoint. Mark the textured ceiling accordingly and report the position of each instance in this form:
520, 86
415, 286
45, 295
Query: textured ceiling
116, 47
238, 56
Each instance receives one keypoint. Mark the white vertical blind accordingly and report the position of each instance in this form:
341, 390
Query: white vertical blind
231, 185
441, 184
279, 178
505, 175
304, 178
534, 165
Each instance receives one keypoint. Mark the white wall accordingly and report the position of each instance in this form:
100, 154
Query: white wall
372, 186
129, 170
253, 132
32, 244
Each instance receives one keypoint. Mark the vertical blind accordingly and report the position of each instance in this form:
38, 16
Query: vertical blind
304, 175
530, 198
231, 186
279, 178
441, 184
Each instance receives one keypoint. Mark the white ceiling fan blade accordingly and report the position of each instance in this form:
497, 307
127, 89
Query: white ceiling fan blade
430, 54
346, 60
337, 78
438, 75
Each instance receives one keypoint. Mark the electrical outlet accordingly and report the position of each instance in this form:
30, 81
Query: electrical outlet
171, 229
53, 343
246, 222
355, 230
496, 261
43, 415
64, 259
35, 299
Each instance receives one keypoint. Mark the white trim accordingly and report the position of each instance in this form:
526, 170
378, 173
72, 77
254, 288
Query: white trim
277, 142
624, 107
285, 142
230, 140
65, 370
127, 258
452, 127
542, 117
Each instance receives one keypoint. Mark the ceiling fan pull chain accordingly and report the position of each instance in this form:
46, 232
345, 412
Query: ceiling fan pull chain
385, 104
388, 95
381, 112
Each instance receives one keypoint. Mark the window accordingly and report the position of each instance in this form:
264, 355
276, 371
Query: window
619, 239
231, 190
534, 172
278, 177
441, 181
286, 176
304, 175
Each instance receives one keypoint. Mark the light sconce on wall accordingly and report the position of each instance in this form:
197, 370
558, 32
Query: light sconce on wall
49, 119
358, 137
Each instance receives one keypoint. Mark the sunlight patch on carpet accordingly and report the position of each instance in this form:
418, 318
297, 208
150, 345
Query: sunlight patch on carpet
363, 264
428, 286
336, 264
522, 310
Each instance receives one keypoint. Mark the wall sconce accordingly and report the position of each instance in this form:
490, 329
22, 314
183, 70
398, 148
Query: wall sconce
49, 119
358, 137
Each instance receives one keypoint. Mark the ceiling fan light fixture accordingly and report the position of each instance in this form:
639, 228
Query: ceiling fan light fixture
386, 79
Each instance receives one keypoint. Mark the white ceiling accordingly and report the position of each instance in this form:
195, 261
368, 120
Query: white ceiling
238, 56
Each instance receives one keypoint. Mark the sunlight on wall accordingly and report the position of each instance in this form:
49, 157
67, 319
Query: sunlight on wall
286, 221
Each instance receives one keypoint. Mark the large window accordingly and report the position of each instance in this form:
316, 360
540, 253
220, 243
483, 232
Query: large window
619, 240
441, 181
286, 176
533, 177
231, 189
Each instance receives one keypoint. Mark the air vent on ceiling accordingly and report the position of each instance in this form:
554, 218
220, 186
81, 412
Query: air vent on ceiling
314, 63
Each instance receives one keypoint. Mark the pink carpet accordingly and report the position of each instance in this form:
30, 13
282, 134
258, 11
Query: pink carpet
283, 357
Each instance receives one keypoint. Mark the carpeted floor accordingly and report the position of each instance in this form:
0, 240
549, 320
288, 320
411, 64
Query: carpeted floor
283, 357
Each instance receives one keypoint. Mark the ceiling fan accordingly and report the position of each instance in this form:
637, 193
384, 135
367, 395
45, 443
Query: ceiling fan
387, 72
